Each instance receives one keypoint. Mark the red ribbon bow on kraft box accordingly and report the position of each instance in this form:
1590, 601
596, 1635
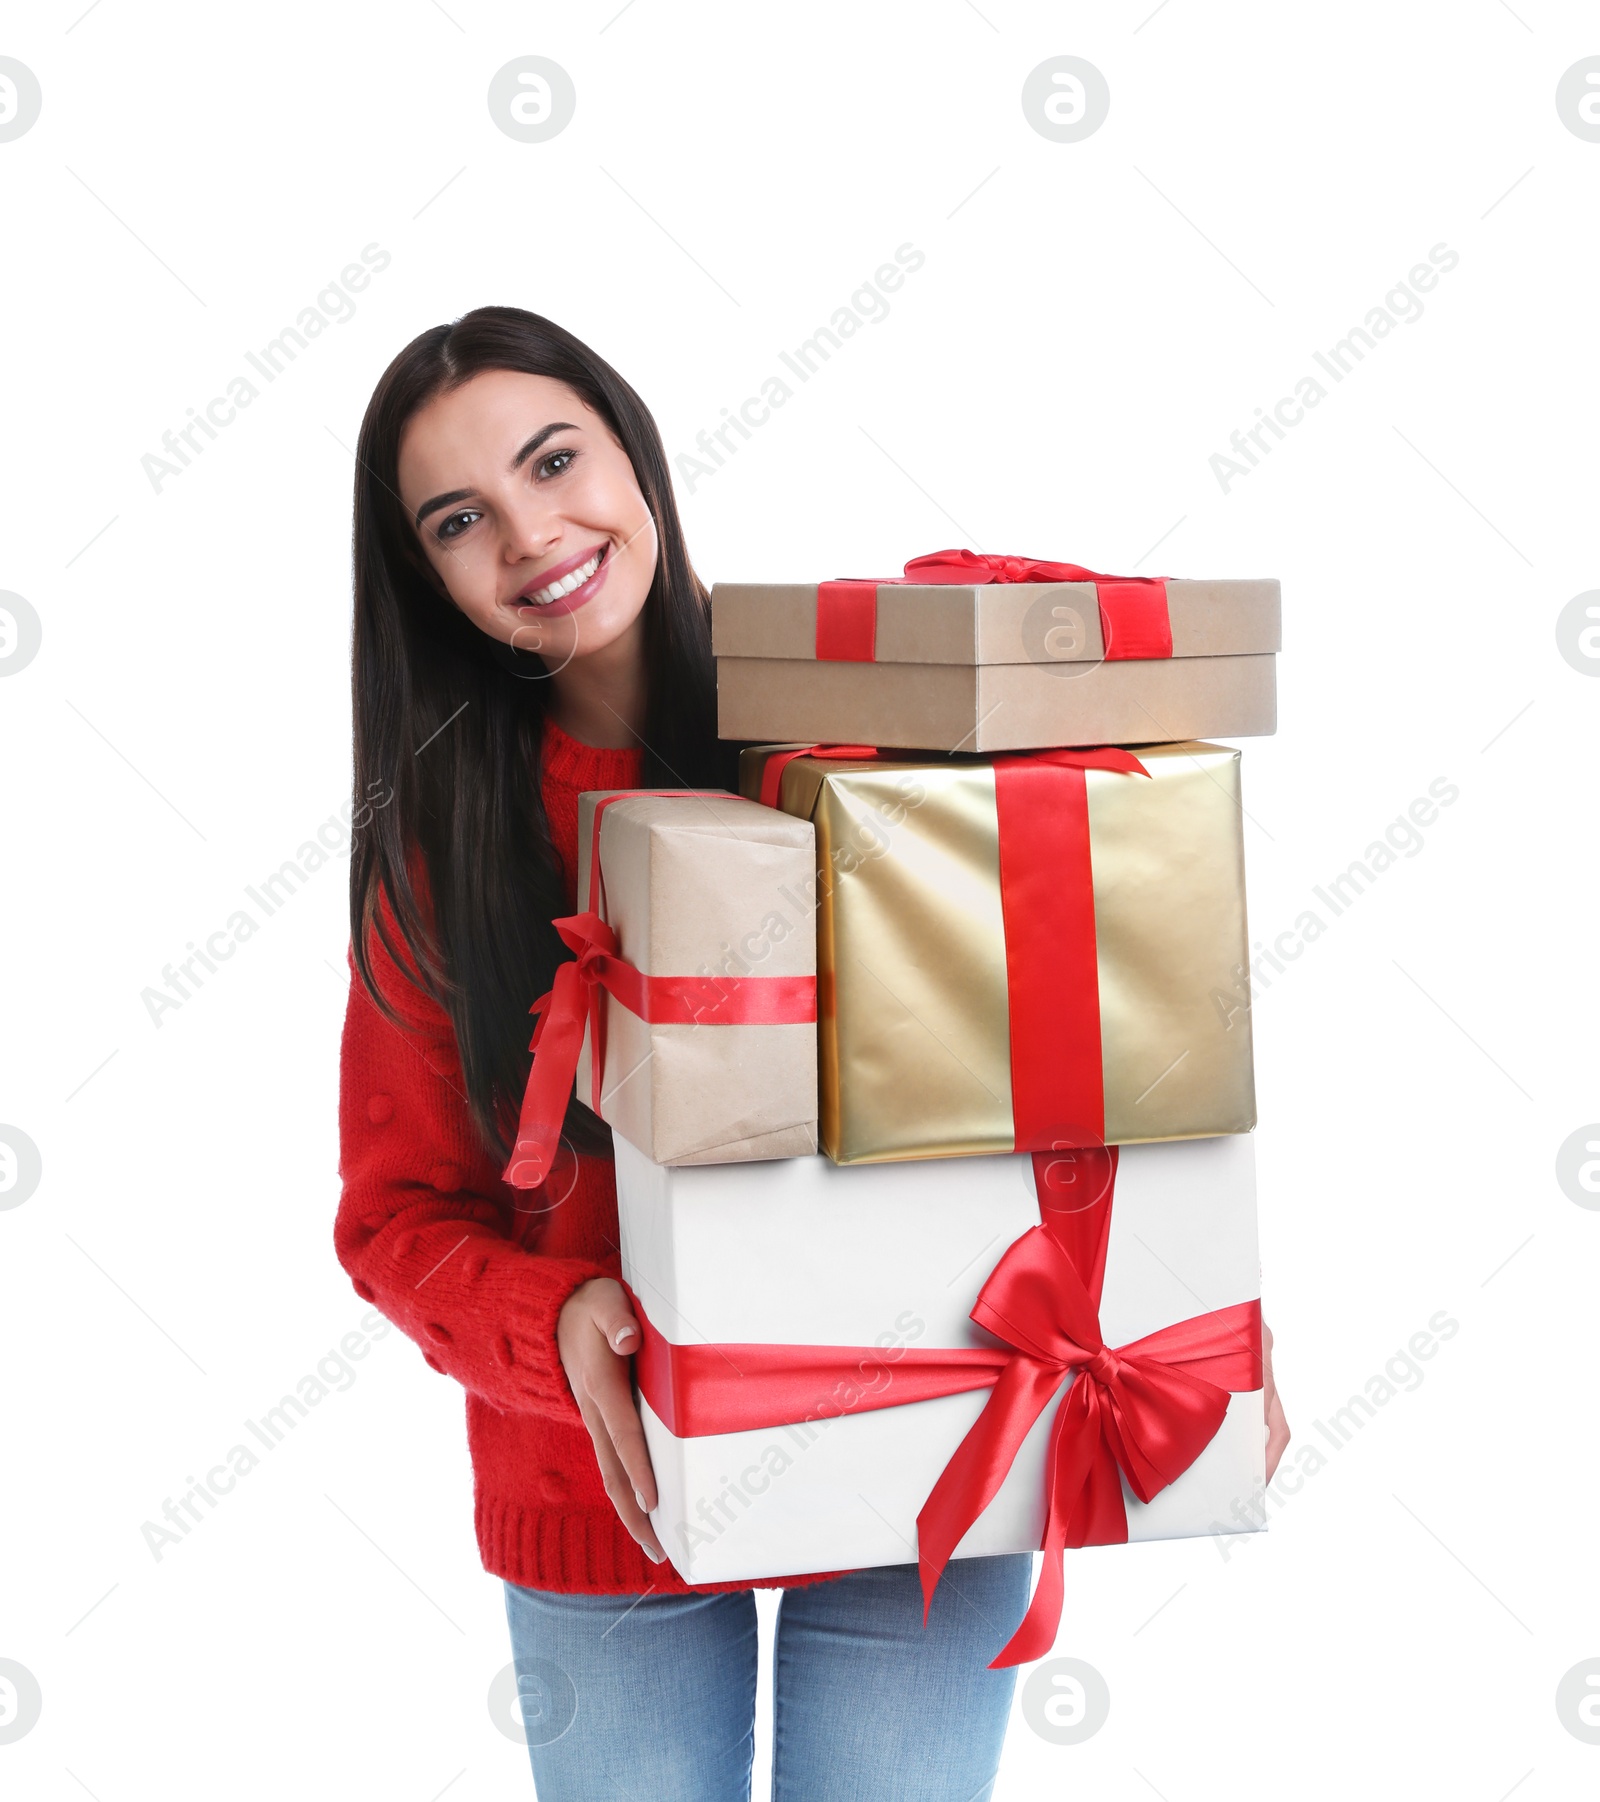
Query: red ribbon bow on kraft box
1134, 619
996, 653
577, 998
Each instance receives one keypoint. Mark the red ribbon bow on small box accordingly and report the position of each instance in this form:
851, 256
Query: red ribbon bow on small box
577, 995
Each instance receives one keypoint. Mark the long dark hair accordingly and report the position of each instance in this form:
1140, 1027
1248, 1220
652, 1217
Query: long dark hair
448, 727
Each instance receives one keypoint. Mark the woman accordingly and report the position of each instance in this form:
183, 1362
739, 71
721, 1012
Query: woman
528, 626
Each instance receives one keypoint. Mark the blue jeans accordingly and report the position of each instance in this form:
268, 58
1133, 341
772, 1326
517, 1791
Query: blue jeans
653, 1700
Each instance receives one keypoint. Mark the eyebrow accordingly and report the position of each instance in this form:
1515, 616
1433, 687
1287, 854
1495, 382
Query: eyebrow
461, 494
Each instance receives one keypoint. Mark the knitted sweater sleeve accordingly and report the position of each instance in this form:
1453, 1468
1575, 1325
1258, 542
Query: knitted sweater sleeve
424, 1227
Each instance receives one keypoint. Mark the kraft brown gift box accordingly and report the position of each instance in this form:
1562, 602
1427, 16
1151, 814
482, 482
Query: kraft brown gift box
993, 666
933, 982
703, 885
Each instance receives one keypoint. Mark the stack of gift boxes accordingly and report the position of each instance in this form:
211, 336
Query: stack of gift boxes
930, 1090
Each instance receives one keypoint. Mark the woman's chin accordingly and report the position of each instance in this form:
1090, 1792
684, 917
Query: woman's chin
595, 628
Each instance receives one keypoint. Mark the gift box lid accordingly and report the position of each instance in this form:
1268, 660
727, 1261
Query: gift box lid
994, 622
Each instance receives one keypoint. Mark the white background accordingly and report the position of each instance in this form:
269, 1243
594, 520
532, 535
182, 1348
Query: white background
1092, 321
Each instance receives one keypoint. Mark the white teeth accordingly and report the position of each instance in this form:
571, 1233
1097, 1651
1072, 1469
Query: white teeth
542, 597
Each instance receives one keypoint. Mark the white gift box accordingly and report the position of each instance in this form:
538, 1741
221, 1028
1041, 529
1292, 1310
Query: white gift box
802, 1251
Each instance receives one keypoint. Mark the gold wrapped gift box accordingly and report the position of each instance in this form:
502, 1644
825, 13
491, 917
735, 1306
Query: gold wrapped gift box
915, 997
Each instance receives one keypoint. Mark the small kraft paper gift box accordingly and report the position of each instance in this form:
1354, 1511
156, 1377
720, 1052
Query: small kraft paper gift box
907, 1363
688, 1017
989, 653
1024, 951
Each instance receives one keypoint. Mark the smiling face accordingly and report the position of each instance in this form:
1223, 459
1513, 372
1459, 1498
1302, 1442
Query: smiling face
528, 512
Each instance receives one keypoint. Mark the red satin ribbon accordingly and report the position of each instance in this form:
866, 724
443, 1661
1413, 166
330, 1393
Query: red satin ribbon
1134, 619
847, 622
1146, 1409
578, 994
1047, 905
772, 770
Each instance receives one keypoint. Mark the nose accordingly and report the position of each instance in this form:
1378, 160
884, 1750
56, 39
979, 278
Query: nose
532, 528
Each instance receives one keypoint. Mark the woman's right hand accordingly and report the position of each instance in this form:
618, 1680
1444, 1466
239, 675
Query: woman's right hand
596, 1333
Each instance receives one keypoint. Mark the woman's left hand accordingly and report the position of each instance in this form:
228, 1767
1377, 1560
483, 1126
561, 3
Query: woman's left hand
1277, 1426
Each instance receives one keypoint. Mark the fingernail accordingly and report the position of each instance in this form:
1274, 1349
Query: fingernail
624, 1333
654, 1557
644, 1506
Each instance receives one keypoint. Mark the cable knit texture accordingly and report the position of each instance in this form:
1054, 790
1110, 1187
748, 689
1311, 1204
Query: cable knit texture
476, 1272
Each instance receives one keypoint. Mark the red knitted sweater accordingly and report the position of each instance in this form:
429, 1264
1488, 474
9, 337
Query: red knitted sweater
476, 1272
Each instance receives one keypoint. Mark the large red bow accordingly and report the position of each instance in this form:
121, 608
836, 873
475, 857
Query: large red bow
1134, 619
1146, 1409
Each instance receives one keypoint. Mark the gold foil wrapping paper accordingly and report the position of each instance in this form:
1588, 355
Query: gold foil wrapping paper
914, 1041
